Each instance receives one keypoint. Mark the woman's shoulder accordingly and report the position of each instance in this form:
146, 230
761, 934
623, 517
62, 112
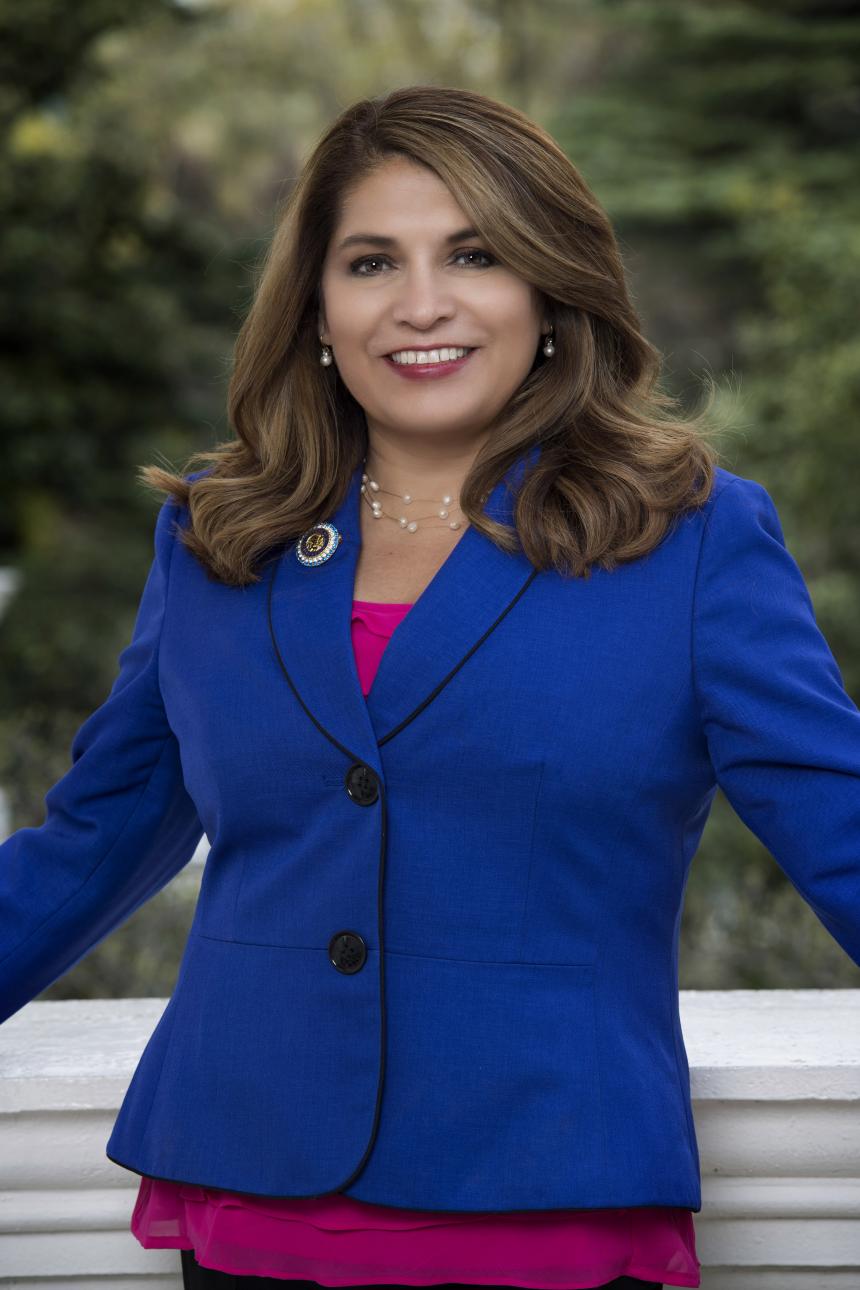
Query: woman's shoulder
739, 495
740, 522
737, 512
743, 487
735, 500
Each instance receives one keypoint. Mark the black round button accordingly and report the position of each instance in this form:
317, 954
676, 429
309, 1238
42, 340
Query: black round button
362, 784
347, 951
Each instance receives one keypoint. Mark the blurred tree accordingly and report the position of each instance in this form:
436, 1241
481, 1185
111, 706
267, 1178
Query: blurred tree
112, 319
143, 150
719, 137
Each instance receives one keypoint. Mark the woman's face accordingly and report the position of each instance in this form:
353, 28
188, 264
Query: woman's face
423, 290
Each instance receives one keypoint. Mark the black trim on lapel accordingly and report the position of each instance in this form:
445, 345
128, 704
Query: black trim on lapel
310, 625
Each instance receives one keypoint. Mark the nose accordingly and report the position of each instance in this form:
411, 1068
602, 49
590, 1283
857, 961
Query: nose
423, 298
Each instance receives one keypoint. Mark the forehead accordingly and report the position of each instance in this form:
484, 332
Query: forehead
398, 197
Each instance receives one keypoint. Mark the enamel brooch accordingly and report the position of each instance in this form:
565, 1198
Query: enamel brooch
318, 544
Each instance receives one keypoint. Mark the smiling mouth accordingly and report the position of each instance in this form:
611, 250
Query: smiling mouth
422, 357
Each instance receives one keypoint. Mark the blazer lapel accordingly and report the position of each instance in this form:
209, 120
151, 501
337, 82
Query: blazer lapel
310, 610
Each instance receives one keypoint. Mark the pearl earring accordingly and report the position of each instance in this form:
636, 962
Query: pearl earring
326, 355
548, 347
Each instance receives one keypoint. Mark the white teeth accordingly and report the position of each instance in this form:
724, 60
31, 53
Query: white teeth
428, 355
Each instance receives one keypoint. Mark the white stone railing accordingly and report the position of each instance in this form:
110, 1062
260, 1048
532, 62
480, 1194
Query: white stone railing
776, 1098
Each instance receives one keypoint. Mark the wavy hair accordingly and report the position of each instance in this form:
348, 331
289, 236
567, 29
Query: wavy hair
618, 459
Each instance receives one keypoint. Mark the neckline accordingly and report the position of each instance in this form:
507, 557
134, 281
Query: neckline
384, 604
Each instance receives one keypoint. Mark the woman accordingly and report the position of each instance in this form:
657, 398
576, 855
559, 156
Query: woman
447, 652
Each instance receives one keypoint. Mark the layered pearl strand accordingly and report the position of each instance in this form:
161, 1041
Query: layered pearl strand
370, 486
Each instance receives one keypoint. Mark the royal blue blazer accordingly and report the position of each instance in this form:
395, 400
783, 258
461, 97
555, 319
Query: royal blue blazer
434, 959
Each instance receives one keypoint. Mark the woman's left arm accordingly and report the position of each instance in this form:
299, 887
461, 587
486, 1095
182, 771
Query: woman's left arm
782, 731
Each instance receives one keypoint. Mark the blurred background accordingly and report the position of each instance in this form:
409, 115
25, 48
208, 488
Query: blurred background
144, 147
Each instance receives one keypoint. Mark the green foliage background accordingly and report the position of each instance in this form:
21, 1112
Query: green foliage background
143, 149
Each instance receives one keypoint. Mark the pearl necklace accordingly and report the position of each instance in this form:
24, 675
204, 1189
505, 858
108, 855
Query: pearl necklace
369, 485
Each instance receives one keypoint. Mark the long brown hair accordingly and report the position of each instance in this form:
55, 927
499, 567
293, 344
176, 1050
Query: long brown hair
618, 459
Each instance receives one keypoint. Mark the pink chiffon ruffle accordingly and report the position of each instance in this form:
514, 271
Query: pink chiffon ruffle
338, 1241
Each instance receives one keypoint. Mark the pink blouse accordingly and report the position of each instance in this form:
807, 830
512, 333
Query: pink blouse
337, 1241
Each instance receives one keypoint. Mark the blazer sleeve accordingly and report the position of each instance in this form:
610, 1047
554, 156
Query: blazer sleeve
782, 732
119, 823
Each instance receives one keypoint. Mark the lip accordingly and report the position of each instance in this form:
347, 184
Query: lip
428, 371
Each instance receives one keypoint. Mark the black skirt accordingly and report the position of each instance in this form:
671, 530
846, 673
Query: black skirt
195, 1277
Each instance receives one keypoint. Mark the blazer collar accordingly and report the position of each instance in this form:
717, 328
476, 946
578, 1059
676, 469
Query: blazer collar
310, 609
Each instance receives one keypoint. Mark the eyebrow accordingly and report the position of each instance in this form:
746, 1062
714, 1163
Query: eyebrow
375, 239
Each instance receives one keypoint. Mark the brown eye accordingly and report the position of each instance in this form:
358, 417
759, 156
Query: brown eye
485, 254
357, 265
367, 259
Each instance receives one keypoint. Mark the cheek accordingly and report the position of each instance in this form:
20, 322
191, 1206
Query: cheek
513, 334
508, 302
352, 327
